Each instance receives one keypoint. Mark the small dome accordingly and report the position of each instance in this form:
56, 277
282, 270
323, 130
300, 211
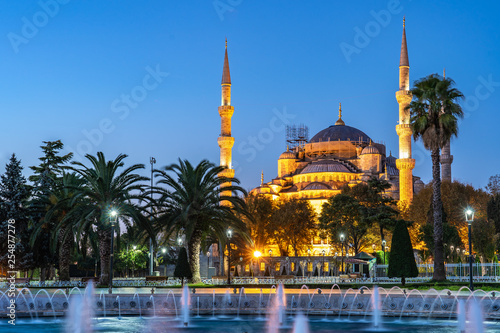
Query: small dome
419, 182
317, 186
370, 150
391, 159
325, 166
287, 155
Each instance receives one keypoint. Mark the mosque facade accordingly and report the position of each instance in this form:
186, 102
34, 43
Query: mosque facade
341, 155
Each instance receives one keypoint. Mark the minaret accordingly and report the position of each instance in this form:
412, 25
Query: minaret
446, 158
405, 163
225, 140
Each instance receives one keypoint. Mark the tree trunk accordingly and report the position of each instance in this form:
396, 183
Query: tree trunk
194, 246
437, 204
64, 255
403, 281
104, 254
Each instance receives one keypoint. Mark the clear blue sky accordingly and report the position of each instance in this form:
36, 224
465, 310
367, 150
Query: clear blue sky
68, 66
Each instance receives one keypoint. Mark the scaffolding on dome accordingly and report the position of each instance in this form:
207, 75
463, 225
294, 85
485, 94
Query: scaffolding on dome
297, 136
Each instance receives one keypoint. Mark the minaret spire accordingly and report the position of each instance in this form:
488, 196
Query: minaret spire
340, 121
225, 140
226, 77
405, 163
262, 178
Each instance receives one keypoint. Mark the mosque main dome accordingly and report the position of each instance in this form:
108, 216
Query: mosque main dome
340, 133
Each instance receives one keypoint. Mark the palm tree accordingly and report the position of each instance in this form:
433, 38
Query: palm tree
58, 202
191, 205
434, 112
105, 188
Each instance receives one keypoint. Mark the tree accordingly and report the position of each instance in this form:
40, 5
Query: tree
378, 209
106, 188
451, 234
494, 185
456, 197
402, 262
434, 112
194, 205
14, 195
484, 238
45, 239
182, 268
493, 211
58, 202
261, 209
342, 214
293, 225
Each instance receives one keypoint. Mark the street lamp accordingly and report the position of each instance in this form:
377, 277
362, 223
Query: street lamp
342, 238
452, 248
152, 160
270, 252
383, 248
373, 247
469, 218
323, 263
113, 216
229, 235
257, 254
208, 263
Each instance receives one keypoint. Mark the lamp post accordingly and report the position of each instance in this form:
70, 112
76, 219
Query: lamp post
469, 217
164, 251
257, 254
113, 216
208, 263
229, 235
342, 238
287, 260
323, 263
383, 248
152, 160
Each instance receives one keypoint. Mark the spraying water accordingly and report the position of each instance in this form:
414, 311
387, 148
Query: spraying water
461, 316
185, 302
301, 324
277, 314
377, 315
81, 312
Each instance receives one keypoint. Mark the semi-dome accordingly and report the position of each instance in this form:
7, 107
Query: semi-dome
325, 166
340, 132
317, 186
370, 150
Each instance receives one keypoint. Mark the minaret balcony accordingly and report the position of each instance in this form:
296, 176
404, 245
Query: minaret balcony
404, 130
404, 96
225, 141
405, 163
226, 110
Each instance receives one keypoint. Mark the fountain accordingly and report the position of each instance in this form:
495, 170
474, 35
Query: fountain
81, 312
301, 324
185, 302
389, 310
277, 311
377, 316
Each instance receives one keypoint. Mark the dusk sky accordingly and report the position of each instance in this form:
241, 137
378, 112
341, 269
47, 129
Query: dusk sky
143, 77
